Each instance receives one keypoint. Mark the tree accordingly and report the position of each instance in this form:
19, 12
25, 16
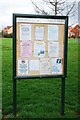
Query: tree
55, 7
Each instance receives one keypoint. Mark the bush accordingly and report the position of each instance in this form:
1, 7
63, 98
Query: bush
7, 35
0, 34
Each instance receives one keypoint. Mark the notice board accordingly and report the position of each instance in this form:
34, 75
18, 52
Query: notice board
39, 45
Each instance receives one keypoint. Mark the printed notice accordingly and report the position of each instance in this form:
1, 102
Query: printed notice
25, 32
34, 65
26, 49
44, 66
53, 33
22, 67
56, 65
53, 49
39, 33
39, 49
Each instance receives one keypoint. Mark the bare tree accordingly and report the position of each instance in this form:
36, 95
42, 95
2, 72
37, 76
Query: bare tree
55, 7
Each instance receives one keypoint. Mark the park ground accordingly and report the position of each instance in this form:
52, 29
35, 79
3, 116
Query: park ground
40, 98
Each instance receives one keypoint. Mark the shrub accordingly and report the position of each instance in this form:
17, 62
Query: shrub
7, 35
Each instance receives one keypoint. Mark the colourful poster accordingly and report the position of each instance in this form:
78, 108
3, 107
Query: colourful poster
39, 33
22, 67
56, 64
44, 66
26, 49
25, 32
39, 49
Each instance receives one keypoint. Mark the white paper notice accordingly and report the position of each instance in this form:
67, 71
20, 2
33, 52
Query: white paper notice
44, 66
53, 33
34, 65
22, 67
39, 49
39, 33
56, 65
53, 49
25, 32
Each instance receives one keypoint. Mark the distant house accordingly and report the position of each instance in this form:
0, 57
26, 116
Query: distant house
7, 30
74, 32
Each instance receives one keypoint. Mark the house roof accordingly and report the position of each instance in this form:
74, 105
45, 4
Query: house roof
9, 27
75, 30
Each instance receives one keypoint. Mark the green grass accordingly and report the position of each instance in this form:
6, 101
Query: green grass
0, 78
39, 98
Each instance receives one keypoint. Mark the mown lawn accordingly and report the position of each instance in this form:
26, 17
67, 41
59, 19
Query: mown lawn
0, 78
39, 98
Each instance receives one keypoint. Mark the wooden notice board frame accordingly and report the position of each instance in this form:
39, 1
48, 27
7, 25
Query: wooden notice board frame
44, 44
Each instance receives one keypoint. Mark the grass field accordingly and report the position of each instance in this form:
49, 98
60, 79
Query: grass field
40, 98
0, 79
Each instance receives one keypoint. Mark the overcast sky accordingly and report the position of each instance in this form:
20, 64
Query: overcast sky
8, 7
